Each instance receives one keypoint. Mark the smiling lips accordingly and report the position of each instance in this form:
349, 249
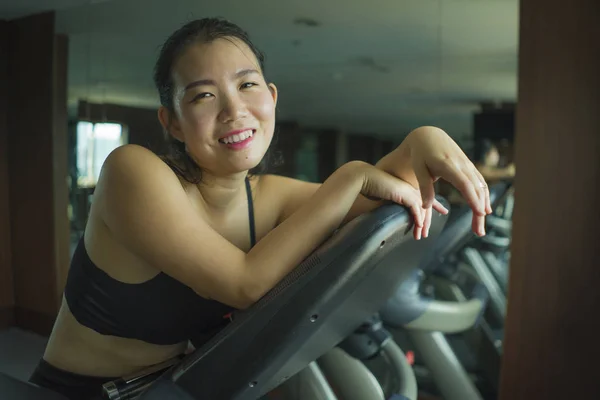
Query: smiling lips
239, 139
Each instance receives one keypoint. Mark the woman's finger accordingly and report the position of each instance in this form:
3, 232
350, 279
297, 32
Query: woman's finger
418, 229
417, 233
481, 189
413, 202
457, 178
478, 224
479, 185
425, 184
488, 203
439, 207
427, 222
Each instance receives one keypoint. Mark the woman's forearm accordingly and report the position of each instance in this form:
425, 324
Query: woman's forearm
399, 163
275, 255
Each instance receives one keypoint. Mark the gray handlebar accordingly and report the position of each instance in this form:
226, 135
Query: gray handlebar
448, 316
310, 383
409, 309
403, 370
349, 377
352, 380
498, 242
483, 273
502, 225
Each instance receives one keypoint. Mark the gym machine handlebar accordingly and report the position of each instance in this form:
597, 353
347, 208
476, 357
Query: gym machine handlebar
410, 309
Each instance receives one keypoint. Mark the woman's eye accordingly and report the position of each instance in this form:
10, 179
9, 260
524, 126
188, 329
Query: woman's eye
201, 96
248, 85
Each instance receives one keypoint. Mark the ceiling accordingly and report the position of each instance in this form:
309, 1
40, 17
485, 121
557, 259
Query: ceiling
376, 67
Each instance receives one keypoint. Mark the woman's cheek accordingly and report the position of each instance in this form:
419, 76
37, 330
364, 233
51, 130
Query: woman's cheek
264, 107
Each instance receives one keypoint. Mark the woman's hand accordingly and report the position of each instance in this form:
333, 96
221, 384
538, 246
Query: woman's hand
378, 184
435, 155
428, 154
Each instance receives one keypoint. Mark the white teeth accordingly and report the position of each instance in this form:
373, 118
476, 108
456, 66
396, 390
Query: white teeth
238, 137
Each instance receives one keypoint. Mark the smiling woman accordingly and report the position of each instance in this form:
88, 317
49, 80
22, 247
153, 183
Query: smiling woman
173, 245
199, 96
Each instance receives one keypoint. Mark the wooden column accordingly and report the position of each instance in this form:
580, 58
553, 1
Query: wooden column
552, 346
37, 128
7, 300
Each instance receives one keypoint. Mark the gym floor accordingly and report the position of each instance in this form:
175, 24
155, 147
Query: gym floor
20, 352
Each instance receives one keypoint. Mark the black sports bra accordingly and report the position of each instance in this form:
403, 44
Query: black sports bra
161, 311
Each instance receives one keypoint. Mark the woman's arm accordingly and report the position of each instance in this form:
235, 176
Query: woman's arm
295, 192
146, 209
425, 155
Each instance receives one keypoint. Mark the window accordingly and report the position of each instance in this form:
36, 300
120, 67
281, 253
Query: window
95, 141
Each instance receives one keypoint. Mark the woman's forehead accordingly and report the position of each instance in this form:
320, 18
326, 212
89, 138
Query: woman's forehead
222, 56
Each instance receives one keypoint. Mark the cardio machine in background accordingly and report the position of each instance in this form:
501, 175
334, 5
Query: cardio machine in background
458, 350
451, 312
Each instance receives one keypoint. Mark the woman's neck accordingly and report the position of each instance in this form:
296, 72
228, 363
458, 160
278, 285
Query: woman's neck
222, 192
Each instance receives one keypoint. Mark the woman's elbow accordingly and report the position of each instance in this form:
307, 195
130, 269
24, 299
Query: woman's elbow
248, 294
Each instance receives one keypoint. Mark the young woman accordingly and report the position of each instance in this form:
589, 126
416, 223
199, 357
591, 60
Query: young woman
173, 244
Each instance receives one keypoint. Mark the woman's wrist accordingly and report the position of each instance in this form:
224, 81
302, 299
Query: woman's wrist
398, 162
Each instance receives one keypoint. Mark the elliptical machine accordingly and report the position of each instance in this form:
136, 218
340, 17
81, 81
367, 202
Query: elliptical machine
439, 312
369, 364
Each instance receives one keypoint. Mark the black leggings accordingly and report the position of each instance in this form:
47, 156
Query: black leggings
73, 386
81, 387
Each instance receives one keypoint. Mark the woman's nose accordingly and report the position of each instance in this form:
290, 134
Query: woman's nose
233, 109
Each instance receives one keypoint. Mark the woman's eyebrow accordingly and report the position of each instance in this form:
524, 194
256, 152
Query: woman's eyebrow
210, 82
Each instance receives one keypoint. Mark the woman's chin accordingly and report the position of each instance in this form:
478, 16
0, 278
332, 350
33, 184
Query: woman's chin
246, 157
246, 164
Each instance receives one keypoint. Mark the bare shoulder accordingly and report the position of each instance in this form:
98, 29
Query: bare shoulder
132, 158
135, 167
136, 181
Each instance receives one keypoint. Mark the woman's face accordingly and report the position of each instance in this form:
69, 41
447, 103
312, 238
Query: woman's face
224, 109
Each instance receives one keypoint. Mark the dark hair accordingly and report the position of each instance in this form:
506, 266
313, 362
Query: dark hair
200, 30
